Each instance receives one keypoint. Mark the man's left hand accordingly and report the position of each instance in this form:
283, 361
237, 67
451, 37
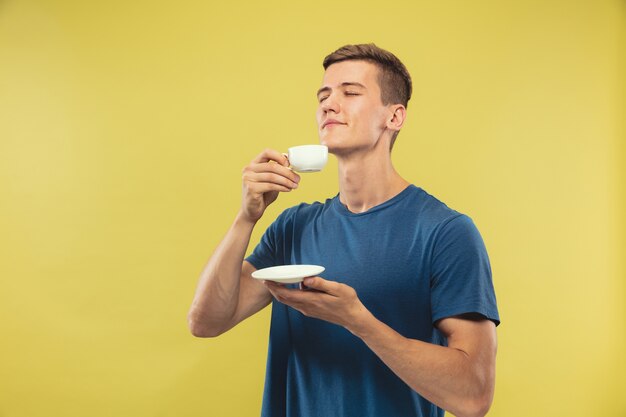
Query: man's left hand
329, 300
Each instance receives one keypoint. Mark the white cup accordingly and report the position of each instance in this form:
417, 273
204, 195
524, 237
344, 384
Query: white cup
308, 158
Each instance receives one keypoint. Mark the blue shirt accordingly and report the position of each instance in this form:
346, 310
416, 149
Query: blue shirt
412, 261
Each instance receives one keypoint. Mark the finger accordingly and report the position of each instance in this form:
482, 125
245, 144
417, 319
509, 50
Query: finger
270, 177
271, 155
264, 187
287, 295
278, 291
320, 284
305, 288
275, 168
251, 177
273, 283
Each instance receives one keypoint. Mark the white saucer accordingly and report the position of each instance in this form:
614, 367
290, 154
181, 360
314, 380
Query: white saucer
288, 274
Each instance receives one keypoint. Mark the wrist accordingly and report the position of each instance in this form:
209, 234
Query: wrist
245, 220
362, 323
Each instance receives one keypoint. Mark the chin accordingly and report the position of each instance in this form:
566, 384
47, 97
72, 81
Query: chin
337, 150
333, 144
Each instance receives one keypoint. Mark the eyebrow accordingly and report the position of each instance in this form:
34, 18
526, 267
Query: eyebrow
344, 84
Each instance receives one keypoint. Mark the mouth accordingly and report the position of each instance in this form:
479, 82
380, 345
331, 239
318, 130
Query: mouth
331, 123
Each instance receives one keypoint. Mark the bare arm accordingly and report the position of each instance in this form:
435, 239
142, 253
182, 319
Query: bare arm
226, 293
459, 378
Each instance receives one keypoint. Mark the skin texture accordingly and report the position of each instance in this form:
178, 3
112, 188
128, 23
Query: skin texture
358, 129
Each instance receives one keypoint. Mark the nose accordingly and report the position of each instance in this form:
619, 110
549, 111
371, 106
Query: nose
330, 104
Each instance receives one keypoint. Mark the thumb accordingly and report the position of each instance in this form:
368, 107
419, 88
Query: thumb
320, 284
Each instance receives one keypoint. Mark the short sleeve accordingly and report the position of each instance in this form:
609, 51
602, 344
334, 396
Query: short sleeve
461, 280
270, 249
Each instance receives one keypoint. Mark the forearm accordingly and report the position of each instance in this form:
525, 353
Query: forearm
217, 293
446, 376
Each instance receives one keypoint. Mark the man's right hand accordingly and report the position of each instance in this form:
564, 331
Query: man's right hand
266, 176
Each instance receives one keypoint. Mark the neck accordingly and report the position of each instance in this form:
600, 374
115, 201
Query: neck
367, 179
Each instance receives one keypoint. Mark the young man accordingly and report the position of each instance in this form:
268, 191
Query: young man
403, 322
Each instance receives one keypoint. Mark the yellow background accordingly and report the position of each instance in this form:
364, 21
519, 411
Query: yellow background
124, 127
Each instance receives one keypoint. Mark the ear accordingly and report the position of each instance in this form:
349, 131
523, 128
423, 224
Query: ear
396, 118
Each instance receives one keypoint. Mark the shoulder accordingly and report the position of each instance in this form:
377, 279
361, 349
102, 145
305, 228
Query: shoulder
431, 211
442, 222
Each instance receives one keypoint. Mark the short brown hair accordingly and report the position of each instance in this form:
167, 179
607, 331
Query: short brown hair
394, 79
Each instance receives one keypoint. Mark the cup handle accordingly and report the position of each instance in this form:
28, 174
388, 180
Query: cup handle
287, 157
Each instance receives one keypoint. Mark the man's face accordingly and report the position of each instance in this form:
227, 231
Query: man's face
350, 113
